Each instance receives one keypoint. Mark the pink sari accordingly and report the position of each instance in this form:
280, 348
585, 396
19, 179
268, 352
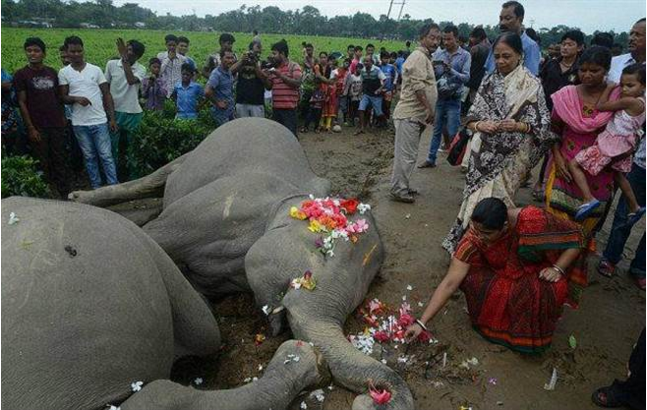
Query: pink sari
579, 132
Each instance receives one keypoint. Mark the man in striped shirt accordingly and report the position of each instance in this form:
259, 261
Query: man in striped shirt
286, 80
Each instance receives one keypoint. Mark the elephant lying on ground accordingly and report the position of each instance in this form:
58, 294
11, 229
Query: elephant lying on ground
225, 223
90, 305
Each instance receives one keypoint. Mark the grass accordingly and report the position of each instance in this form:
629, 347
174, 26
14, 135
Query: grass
100, 44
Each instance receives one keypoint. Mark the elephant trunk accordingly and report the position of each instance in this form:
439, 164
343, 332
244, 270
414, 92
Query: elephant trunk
350, 367
296, 366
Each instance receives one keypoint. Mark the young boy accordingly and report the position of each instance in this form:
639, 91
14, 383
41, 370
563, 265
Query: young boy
172, 61
125, 77
340, 76
188, 95
183, 50
353, 90
220, 89
391, 74
316, 106
153, 90
43, 114
84, 85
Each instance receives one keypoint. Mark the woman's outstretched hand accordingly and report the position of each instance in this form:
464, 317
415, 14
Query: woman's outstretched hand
412, 332
550, 274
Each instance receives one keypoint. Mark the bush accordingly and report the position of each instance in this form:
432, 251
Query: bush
162, 139
20, 177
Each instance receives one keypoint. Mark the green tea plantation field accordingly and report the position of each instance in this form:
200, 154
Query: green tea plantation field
100, 44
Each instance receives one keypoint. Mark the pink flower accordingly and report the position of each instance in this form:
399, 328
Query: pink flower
406, 320
379, 396
361, 226
381, 336
424, 337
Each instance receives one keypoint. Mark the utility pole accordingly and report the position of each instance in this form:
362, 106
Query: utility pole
399, 3
388, 14
401, 7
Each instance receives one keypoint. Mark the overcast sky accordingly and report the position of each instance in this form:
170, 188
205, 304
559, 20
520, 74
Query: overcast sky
588, 15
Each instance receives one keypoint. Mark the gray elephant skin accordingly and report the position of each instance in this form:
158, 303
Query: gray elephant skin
90, 304
225, 223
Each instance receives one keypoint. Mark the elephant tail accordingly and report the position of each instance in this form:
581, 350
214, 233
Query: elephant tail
351, 368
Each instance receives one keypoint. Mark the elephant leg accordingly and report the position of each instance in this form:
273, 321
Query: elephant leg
195, 329
284, 378
146, 187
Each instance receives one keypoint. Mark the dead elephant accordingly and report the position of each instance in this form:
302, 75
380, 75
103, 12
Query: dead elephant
90, 305
225, 223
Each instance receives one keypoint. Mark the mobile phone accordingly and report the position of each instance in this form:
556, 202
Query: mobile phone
437, 62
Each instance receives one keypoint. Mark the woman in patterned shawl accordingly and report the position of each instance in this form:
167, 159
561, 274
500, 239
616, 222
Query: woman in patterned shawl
511, 125
515, 267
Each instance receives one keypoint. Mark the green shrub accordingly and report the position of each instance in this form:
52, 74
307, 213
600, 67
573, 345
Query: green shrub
162, 139
20, 177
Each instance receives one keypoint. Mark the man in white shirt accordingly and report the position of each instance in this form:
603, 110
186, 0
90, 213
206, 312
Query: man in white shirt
171, 69
636, 52
85, 87
125, 77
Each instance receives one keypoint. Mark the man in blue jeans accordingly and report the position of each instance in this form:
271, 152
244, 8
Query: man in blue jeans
453, 72
621, 229
85, 87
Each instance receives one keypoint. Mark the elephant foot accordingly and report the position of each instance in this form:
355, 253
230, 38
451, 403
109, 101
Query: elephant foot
351, 368
296, 366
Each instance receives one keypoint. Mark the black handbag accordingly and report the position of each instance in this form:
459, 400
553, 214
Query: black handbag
458, 147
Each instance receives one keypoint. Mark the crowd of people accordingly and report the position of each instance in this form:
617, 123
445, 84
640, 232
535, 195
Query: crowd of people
579, 111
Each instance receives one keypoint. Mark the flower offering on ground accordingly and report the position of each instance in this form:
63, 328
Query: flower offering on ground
384, 327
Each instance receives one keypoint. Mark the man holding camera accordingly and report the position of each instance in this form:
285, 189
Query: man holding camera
251, 84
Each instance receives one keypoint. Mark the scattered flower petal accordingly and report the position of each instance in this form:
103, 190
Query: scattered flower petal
259, 339
572, 342
267, 310
198, 381
136, 386
552, 382
13, 218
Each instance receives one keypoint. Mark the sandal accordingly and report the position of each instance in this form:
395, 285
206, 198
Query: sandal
606, 268
634, 217
585, 210
608, 396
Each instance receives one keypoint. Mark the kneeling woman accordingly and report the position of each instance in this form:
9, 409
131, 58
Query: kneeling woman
513, 266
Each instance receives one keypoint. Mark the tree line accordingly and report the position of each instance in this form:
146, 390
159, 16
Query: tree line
307, 21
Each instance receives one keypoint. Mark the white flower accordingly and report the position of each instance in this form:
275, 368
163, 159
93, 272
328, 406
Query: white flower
113, 407
13, 218
421, 304
312, 197
304, 406
296, 284
136, 386
198, 381
247, 379
363, 208
409, 287
260, 367
267, 310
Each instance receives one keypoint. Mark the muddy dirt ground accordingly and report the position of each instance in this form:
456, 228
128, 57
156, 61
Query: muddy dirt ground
606, 325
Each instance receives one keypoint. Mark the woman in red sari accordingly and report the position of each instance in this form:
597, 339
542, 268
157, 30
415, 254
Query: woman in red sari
513, 266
